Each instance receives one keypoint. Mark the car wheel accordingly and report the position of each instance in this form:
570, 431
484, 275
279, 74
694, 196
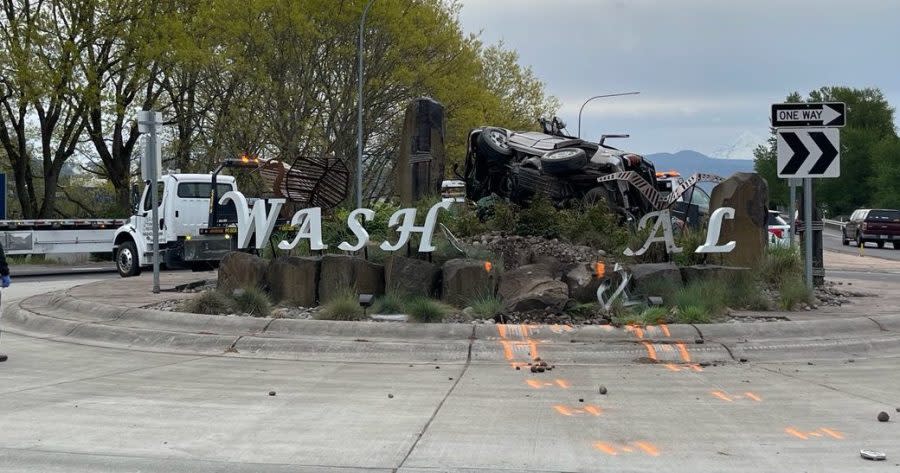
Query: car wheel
127, 260
563, 161
897, 245
844, 239
492, 145
880, 244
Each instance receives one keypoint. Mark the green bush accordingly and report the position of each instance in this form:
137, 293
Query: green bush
343, 306
780, 263
792, 291
745, 291
654, 315
689, 239
463, 222
709, 296
425, 310
656, 253
692, 315
390, 303
593, 226
207, 302
540, 219
486, 306
253, 301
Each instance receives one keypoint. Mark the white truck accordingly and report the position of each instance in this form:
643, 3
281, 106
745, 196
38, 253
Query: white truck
192, 232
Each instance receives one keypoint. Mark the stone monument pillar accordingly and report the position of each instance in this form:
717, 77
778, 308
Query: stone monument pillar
748, 194
419, 169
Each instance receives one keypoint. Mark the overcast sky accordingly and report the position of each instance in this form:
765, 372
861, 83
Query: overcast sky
707, 70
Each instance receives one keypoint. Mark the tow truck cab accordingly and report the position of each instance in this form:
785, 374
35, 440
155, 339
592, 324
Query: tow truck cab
184, 208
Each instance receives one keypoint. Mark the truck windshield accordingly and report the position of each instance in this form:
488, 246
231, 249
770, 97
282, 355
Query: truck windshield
200, 190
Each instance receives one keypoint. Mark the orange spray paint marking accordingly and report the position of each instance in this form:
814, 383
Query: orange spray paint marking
672, 367
488, 266
533, 347
814, 434
753, 396
593, 410
651, 352
684, 353
507, 349
648, 448
795, 433
501, 330
665, 329
697, 368
637, 331
563, 383
833, 433
534, 383
600, 269
606, 448
627, 449
722, 396
563, 410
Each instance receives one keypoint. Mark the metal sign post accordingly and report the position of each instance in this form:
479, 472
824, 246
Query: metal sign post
792, 218
149, 122
807, 232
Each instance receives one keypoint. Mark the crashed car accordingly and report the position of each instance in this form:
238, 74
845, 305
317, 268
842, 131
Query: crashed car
520, 165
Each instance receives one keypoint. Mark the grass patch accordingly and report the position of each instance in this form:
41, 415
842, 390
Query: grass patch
425, 310
710, 295
253, 301
583, 310
390, 303
689, 239
660, 287
792, 291
343, 306
654, 315
486, 306
692, 314
207, 302
781, 263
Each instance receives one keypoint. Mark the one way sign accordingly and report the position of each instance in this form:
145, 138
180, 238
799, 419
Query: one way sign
809, 114
809, 152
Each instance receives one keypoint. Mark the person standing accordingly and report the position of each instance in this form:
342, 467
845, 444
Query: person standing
4, 281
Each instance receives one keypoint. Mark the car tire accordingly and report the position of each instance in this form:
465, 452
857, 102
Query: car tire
844, 239
491, 144
127, 260
562, 161
880, 244
896, 245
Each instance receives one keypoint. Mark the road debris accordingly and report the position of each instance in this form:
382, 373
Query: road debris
602, 390
872, 455
271, 393
883, 417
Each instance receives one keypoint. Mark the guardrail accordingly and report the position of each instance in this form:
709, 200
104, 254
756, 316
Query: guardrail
836, 224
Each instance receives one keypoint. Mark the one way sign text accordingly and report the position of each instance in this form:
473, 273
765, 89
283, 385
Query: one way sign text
808, 114
809, 152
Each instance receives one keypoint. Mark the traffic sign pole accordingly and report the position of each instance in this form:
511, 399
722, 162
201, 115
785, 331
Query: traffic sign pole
149, 122
807, 232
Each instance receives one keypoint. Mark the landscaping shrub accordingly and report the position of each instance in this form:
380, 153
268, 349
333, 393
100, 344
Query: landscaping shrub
709, 296
540, 218
486, 306
792, 291
780, 263
692, 314
390, 303
343, 306
689, 239
425, 310
253, 301
745, 291
463, 222
207, 302
593, 226
654, 315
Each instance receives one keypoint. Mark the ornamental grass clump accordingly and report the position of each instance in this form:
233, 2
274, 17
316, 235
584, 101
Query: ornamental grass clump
253, 301
343, 306
208, 303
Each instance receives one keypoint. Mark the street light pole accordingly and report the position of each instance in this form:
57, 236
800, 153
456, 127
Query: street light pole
598, 97
359, 112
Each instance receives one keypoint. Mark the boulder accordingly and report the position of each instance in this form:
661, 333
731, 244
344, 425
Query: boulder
583, 282
294, 279
341, 272
533, 287
748, 194
239, 270
647, 279
411, 276
466, 279
698, 272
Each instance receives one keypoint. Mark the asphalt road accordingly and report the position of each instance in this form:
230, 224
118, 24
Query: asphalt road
73, 408
831, 239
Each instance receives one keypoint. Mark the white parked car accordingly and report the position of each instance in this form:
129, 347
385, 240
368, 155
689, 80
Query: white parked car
779, 231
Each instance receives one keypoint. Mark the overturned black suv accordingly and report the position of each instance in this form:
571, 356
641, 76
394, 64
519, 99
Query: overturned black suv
566, 169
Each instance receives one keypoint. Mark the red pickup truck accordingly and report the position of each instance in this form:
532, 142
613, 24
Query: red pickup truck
873, 225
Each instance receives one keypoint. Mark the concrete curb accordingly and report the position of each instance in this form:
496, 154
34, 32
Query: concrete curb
61, 317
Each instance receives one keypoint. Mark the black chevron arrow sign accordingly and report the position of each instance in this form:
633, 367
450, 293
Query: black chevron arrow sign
808, 152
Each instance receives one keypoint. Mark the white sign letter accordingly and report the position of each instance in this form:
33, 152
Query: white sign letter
712, 234
254, 220
663, 220
409, 226
309, 223
356, 227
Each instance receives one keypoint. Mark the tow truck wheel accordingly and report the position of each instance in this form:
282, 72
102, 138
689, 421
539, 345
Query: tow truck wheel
127, 260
